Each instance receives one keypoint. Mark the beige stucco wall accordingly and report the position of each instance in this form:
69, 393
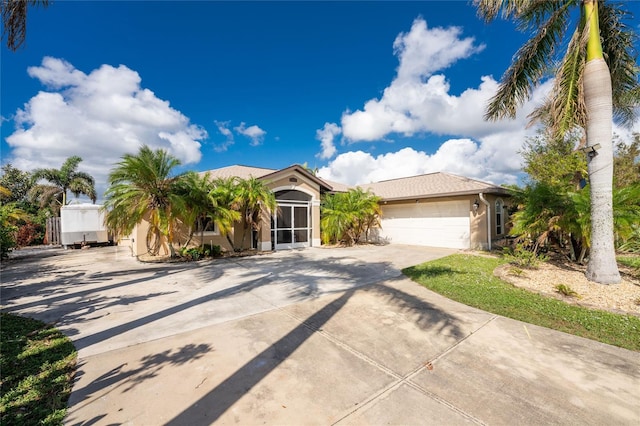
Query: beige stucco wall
477, 219
480, 221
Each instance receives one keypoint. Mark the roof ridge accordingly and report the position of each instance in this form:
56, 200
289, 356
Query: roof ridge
405, 177
468, 179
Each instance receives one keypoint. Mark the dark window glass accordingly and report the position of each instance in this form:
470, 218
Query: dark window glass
300, 235
284, 217
300, 217
292, 195
284, 236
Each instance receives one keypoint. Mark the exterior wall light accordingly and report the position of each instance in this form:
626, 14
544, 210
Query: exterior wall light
476, 205
592, 150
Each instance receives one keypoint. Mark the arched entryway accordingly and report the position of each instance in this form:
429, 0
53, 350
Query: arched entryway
291, 223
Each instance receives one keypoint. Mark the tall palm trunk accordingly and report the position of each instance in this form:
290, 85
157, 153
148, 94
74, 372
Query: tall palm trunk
602, 267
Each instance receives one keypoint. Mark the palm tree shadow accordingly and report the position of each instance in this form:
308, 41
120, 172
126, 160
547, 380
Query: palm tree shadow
125, 376
210, 407
213, 405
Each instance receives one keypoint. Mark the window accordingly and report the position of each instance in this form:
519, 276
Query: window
499, 216
207, 225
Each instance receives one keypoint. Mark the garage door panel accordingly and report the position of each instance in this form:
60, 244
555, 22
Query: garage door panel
440, 224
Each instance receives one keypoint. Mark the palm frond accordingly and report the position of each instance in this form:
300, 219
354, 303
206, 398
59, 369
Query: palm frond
565, 108
530, 64
618, 45
14, 20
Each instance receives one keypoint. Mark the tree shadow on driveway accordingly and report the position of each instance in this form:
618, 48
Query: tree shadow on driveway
214, 404
128, 377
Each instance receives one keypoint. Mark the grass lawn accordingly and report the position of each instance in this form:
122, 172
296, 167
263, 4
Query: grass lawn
37, 363
469, 279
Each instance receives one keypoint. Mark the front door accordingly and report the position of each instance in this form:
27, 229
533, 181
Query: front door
291, 226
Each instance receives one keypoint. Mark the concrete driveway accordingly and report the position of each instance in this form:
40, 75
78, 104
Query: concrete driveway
315, 336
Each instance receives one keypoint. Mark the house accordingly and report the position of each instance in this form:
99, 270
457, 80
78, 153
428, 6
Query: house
296, 224
436, 209
441, 210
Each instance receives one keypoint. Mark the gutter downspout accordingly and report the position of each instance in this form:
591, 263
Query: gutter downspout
486, 203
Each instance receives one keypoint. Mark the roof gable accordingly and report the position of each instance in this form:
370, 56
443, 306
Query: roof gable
299, 169
244, 172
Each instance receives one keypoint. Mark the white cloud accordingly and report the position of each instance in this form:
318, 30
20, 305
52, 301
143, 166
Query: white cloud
98, 116
493, 159
423, 51
326, 135
223, 128
255, 133
626, 133
418, 102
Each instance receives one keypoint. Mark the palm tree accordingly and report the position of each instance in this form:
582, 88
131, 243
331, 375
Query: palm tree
255, 202
202, 202
599, 52
142, 187
336, 219
225, 194
14, 20
67, 178
346, 216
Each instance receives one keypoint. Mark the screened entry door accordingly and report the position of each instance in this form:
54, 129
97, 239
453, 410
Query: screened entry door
290, 228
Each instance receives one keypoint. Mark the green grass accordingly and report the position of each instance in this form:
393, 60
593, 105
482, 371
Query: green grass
37, 364
469, 279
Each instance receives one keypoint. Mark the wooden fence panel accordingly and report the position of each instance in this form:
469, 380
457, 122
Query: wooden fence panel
53, 235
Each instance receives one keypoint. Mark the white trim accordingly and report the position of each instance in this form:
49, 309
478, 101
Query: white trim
316, 242
212, 233
265, 245
293, 204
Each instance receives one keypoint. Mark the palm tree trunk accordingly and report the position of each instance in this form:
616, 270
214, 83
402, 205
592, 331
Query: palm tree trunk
602, 267
233, 247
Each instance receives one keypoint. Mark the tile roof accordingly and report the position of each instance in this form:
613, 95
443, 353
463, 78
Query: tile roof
242, 172
430, 185
337, 186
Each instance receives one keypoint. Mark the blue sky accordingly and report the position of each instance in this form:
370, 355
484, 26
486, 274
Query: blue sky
365, 91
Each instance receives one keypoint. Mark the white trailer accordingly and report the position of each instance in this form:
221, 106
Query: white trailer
82, 224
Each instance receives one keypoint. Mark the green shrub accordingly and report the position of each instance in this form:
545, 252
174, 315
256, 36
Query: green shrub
7, 240
516, 271
523, 257
197, 253
216, 251
566, 290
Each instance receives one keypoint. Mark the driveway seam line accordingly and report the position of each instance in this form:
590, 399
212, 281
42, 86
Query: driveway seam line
407, 380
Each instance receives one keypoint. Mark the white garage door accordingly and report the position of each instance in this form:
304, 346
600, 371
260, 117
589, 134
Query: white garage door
436, 224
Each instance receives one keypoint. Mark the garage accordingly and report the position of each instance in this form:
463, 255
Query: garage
436, 224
